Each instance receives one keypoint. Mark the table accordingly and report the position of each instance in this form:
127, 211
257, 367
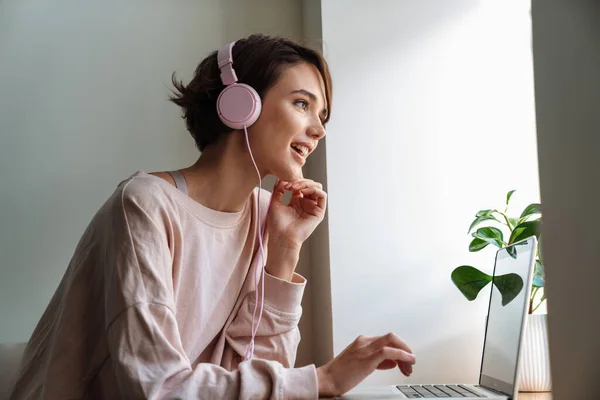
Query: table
534, 396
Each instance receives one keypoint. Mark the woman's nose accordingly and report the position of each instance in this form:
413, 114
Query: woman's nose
317, 132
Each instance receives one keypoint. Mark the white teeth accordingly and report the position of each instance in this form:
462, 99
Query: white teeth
301, 148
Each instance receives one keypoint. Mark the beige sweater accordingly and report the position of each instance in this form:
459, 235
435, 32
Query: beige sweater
157, 303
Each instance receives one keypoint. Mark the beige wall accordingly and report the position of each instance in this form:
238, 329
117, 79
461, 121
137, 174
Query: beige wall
319, 301
566, 48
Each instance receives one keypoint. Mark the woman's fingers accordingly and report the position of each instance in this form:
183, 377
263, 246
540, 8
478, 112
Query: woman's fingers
391, 339
303, 183
405, 368
278, 191
387, 364
391, 353
305, 188
316, 194
311, 198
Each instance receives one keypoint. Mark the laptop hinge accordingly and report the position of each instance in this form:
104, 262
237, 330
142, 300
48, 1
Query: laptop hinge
498, 392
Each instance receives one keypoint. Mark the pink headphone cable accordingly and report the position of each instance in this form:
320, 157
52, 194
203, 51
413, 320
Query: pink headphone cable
239, 106
261, 271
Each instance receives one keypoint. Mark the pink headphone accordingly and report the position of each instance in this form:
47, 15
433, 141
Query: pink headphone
238, 104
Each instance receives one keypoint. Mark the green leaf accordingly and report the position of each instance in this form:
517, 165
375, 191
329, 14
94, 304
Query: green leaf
524, 230
512, 251
489, 232
480, 219
533, 208
477, 244
491, 235
509, 195
470, 281
513, 222
538, 275
509, 285
484, 213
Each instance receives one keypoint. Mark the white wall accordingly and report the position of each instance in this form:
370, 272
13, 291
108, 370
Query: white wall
566, 48
83, 89
433, 119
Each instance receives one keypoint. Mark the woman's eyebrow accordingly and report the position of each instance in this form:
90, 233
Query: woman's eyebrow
305, 92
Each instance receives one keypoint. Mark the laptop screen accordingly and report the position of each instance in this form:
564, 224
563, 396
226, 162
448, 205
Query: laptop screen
509, 301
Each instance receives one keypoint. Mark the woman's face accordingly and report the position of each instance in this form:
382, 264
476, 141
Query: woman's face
290, 124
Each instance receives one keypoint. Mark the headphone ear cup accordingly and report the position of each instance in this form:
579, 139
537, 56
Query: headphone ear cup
239, 106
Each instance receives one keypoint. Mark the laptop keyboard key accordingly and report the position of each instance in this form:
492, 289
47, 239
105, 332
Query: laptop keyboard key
448, 391
409, 392
437, 392
460, 390
424, 392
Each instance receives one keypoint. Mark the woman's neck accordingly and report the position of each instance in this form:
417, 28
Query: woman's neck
224, 176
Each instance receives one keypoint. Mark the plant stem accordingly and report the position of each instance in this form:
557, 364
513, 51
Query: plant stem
531, 309
538, 306
530, 306
540, 302
506, 219
535, 290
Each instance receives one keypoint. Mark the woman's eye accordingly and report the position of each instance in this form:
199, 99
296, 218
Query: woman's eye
302, 104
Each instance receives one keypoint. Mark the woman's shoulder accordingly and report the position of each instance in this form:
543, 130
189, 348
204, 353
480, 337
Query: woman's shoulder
145, 190
137, 200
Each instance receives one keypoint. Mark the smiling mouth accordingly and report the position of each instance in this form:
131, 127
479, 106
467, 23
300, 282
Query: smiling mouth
301, 149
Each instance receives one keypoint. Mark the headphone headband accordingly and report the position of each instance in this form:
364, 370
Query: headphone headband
225, 62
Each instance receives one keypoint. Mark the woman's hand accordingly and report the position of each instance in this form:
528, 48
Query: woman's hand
360, 359
290, 225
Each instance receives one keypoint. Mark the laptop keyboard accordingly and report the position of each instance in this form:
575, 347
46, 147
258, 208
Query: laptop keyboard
436, 391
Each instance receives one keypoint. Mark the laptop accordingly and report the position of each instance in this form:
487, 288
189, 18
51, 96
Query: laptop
514, 267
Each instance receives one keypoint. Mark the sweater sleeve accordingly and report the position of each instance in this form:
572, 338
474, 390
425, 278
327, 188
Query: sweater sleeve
149, 363
278, 335
143, 338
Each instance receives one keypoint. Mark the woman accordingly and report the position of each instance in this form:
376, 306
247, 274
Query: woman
160, 297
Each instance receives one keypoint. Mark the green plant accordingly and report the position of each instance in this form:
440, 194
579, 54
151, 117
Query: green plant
470, 280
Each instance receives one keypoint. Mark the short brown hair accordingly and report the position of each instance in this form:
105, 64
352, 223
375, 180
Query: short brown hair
258, 61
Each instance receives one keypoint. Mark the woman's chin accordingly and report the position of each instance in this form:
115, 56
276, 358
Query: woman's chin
290, 174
